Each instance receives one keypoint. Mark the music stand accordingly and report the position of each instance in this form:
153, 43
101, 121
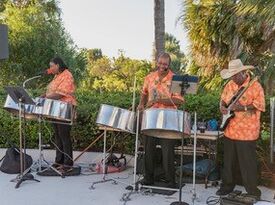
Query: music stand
20, 96
185, 84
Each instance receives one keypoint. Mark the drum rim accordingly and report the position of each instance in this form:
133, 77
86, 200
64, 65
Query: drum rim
115, 129
166, 109
111, 106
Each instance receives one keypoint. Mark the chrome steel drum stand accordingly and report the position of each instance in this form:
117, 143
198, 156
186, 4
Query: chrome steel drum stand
194, 195
105, 171
134, 187
180, 184
104, 168
41, 160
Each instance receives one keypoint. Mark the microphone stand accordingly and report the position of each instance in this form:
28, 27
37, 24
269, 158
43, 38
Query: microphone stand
29, 79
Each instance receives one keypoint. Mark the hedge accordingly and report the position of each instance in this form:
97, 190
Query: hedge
85, 129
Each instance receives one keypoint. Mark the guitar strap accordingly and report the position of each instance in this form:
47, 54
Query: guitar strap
241, 91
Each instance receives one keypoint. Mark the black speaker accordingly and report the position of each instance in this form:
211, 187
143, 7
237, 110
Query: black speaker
4, 46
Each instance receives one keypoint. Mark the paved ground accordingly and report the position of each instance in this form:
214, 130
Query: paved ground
75, 190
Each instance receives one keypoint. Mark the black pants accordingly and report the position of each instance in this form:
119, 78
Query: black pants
245, 153
64, 144
168, 158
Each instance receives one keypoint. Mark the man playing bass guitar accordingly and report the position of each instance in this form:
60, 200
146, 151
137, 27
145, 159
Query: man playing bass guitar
243, 129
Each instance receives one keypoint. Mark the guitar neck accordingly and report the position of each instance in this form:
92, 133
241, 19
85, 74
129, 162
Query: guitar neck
239, 94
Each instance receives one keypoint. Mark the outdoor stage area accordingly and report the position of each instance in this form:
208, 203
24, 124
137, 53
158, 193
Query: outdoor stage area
74, 190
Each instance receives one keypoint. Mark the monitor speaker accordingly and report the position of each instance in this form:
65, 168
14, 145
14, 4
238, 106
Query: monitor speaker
4, 45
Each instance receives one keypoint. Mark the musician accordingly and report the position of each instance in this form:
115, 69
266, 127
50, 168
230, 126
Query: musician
156, 94
62, 88
243, 129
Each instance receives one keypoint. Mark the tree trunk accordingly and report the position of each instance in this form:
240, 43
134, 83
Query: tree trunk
159, 27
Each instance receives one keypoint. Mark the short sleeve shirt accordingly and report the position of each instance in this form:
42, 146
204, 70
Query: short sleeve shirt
63, 84
155, 88
245, 125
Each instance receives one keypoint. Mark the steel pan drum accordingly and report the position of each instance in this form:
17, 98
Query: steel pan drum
117, 118
54, 109
13, 108
166, 123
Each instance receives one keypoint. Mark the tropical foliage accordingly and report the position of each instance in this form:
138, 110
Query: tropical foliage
224, 30
36, 34
116, 74
172, 46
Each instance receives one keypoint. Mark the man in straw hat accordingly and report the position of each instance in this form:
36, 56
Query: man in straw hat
243, 129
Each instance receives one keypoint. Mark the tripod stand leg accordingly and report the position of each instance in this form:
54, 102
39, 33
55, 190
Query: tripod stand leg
25, 177
52, 168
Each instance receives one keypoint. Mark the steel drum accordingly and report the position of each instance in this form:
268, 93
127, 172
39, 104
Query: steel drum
54, 109
117, 118
166, 123
13, 108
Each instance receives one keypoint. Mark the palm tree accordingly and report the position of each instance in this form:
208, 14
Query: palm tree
224, 30
172, 46
159, 27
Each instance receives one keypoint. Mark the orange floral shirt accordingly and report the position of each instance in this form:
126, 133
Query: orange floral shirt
245, 125
63, 84
156, 89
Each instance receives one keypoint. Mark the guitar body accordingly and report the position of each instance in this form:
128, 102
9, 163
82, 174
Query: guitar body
225, 119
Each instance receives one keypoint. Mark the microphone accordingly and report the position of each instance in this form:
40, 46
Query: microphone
48, 71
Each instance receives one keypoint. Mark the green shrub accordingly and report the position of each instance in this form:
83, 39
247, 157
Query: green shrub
85, 130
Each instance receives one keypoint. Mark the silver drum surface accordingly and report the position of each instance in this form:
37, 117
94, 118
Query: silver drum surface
13, 107
166, 123
117, 118
54, 109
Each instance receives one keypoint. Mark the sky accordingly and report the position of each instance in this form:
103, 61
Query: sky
112, 25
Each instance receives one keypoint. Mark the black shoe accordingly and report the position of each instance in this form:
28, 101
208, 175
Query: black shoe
256, 194
252, 196
66, 169
223, 191
56, 165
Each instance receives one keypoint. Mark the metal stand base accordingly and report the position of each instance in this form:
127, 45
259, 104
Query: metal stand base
103, 181
41, 159
25, 177
179, 203
104, 170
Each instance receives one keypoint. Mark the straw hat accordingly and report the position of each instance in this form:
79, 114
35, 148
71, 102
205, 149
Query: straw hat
234, 67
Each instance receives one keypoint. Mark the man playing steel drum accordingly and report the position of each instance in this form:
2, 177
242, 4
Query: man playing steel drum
156, 94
